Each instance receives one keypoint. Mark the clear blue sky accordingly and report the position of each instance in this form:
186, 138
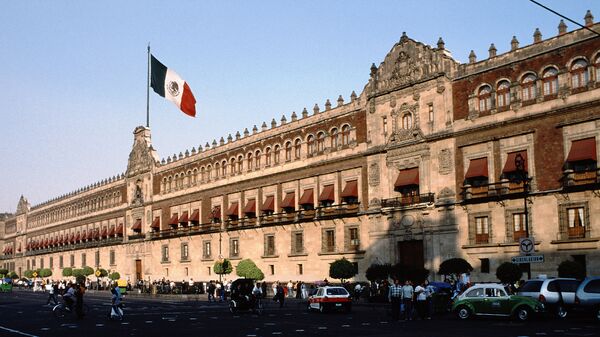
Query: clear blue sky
73, 73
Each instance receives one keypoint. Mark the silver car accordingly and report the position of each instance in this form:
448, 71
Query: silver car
588, 295
557, 294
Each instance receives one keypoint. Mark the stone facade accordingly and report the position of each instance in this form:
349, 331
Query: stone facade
416, 169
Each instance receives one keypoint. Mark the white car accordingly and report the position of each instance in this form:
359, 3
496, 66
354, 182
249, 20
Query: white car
330, 298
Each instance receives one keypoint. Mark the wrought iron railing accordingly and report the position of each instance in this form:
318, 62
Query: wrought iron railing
408, 200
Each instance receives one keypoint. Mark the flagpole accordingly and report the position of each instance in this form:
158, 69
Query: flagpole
148, 91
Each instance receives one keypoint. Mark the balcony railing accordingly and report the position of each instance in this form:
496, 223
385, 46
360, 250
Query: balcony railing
572, 178
408, 200
73, 246
574, 233
504, 188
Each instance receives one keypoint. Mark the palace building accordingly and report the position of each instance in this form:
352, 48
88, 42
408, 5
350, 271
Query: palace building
434, 159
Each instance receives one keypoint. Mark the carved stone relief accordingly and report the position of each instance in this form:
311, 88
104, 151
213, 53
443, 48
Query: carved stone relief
445, 161
374, 174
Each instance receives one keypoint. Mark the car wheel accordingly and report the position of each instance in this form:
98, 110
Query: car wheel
232, 307
321, 308
463, 312
598, 314
522, 314
561, 312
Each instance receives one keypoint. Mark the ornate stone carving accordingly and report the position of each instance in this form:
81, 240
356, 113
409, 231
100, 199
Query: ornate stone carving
142, 156
374, 174
445, 160
138, 194
22, 206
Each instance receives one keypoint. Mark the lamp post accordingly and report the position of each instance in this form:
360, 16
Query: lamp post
523, 177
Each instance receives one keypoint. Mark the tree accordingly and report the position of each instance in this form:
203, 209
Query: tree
342, 269
248, 269
569, 268
103, 272
13, 275
509, 273
45, 272
3, 272
87, 271
28, 273
377, 272
79, 276
68, 271
114, 276
455, 266
403, 273
222, 268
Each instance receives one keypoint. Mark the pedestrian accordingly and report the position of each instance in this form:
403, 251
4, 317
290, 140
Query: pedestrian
211, 291
298, 290
429, 291
116, 309
304, 291
51, 293
357, 290
280, 294
290, 289
421, 294
263, 287
407, 299
394, 297
79, 292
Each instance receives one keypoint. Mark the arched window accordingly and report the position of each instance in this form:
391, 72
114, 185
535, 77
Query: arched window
310, 145
232, 166
224, 168
320, 141
217, 170
550, 80
503, 94
268, 156
249, 161
597, 66
257, 159
485, 98
345, 135
288, 151
240, 163
579, 75
528, 92
276, 154
407, 121
334, 138
208, 172
202, 174
195, 176
297, 149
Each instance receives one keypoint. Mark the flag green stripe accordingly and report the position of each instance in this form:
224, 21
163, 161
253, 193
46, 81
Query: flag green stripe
158, 74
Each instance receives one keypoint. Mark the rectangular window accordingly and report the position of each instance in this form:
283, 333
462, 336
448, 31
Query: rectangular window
272, 269
298, 242
576, 222
329, 240
60, 262
518, 226
300, 269
184, 252
112, 257
42, 262
206, 250
485, 266
51, 262
234, 247
72, 260
97, 259
385, 126
481, 229
270, 245
165, 253
430, 106
33, 263
83, 260
354, 240
209, 271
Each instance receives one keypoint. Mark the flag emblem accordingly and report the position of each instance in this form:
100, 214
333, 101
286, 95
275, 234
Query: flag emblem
169, 85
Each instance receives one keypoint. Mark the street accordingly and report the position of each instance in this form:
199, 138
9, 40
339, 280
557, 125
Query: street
24, 313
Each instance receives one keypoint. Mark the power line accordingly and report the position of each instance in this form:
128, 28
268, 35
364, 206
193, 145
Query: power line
564, 17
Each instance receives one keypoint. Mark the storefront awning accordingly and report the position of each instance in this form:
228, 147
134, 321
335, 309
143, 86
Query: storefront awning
477, 168
408, 177
307, 197
583, 149
327, 194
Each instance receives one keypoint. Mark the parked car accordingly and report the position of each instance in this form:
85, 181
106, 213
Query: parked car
491, 299
557, 294
588, 295
330, 298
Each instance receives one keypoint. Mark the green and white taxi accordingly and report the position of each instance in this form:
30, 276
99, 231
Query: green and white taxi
491, 299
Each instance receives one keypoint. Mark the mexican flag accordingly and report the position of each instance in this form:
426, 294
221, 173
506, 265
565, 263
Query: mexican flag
169, 85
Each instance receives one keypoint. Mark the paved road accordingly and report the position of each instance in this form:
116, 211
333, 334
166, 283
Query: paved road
22, 313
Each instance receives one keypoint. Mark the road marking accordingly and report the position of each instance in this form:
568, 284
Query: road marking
269, 323
365, 324
299, 330
17, 331
276, 333
99, 324
383, 322
345, 326
322, 328
148, 322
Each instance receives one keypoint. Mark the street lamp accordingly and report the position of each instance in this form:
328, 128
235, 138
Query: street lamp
523, 177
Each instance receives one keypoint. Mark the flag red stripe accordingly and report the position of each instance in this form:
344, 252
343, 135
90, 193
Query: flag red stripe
188, 102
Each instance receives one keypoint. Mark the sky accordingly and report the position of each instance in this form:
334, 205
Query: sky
74, 73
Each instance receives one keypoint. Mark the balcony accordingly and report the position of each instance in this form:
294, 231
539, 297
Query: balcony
504, 189
574, 180
408, 200
574, 233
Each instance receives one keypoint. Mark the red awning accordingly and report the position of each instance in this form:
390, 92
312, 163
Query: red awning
184, 218
307, 197
289, 201
174, 220
72, 238
111, 232
509, 165
90, 233
477, 168
78, 236
120, 229
155, 223
408, 177
233, 209
104, 232
137, 226
350, 190
195, 218
327, 194
583, 149
250, 206
97, 233
216, 212
269, 204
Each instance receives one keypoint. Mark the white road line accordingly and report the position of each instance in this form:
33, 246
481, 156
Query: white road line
17, 331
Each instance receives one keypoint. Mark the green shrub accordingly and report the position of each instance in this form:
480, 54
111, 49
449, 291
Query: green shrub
377, 272
114, 276
509, 272
248, 269
342, 269
67, 272
222, 268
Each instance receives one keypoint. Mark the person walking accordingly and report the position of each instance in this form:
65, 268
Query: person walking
394, 297
407, 299
280, 294
79, 292
50, 288
421, 294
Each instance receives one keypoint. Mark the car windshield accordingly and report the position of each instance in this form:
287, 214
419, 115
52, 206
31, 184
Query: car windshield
336, 291
531, 286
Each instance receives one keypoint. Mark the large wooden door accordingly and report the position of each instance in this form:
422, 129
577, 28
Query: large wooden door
410, 253
138, 270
